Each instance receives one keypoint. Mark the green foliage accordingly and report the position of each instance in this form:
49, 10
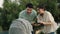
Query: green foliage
58, 1
58, 30
41, 33
1, 20
51, 5
11, 10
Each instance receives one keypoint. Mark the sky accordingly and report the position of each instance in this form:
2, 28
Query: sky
17, 1
1, 3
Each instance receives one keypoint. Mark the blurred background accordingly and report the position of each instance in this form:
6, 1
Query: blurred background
9, 10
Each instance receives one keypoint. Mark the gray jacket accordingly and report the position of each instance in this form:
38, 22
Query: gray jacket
20, 26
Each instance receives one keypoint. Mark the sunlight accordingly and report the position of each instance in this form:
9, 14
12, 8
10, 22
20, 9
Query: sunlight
1, 3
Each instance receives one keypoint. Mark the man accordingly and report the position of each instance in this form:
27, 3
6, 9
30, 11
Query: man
19, 26
47, 19
29, 13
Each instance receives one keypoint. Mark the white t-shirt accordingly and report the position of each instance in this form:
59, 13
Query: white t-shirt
48, 18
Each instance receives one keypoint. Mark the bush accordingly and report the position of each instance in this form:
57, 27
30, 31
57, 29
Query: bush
58, 30
11, 10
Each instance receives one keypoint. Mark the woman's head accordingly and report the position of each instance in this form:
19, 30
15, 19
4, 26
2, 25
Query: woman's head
41, 9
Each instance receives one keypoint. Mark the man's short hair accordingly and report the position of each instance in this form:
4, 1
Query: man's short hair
30, 5
41, 6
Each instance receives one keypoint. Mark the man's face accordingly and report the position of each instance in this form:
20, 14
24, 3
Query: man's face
29, 10
41, 11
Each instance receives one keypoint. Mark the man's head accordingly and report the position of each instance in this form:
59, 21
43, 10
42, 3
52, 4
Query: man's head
29, 7
41, 9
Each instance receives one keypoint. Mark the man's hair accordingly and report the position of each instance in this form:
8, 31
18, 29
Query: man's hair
30, 5
42, 6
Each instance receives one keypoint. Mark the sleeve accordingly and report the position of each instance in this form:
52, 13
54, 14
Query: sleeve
51, 19
35, 15
21, 14
38, 19
35, 18
16, 31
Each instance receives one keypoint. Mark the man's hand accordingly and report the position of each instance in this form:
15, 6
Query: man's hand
42, 22
35, 24
32, 24
46, 23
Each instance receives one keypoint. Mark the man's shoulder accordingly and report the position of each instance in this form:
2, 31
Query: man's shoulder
22, 11
47, 12
38, 15
34, 11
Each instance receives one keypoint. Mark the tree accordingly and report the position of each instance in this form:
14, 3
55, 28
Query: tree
11, 10
58, 30
58, 1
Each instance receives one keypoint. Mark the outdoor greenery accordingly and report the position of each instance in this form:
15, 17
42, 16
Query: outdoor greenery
58, 1
58, 30
10, 11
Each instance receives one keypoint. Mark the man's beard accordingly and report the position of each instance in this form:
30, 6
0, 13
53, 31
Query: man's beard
41, 14
29, 12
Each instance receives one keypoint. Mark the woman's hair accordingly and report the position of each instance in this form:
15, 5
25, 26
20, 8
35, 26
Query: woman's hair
41, 6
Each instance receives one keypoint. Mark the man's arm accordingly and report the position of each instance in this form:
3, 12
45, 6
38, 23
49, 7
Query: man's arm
47, 23
34, 19
50, 19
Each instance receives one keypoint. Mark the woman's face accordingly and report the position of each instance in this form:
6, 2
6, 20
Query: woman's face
40, 11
